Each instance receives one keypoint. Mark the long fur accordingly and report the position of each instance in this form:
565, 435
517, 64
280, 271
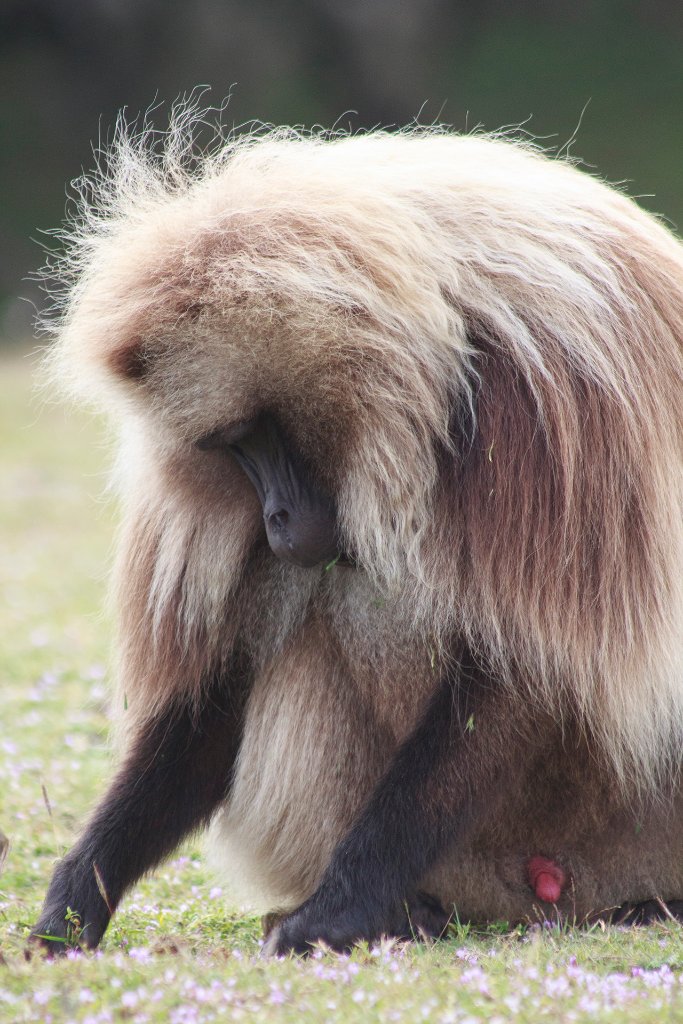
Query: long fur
478, 348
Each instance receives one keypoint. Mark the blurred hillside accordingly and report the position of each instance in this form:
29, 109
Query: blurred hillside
68, 66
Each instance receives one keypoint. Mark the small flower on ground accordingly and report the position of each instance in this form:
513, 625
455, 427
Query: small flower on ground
142, 955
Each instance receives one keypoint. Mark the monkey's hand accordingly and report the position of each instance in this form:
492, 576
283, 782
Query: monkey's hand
324, 920
75, 914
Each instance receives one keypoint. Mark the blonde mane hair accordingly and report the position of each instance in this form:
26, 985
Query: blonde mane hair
478, 347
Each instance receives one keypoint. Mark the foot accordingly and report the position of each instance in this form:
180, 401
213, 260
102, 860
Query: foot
648, 912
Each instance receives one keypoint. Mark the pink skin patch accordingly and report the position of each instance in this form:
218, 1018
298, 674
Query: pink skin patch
546, 878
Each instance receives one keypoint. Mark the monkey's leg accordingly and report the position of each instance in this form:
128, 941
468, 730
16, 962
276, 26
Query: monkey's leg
176, 773
648, 912
468, 742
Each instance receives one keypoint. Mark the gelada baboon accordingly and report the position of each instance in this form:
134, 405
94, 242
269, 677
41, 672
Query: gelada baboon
400, 580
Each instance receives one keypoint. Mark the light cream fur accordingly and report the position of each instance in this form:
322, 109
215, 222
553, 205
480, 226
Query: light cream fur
363, 289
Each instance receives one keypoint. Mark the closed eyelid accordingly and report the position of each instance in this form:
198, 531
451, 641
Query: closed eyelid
223, 437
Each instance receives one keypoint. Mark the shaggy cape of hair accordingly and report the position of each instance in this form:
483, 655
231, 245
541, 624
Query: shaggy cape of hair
478, 348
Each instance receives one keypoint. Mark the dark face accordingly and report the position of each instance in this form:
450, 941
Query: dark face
299, 519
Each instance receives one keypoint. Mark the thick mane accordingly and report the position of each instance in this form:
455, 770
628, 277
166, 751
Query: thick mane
392, 287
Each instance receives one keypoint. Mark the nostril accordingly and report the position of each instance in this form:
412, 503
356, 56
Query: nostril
277, 520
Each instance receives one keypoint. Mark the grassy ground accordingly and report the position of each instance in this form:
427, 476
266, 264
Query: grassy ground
175, 952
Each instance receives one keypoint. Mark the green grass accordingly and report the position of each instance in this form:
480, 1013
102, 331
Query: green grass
175, 952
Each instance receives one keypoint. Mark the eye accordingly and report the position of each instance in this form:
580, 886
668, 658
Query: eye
209, 441
224, 437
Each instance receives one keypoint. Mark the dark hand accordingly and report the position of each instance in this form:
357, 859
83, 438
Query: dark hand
326, 917
74, 915
340, 927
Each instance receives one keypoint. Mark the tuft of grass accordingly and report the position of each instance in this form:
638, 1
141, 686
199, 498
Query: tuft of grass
176, 952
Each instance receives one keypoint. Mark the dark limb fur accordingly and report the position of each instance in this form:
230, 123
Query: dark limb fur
648, 912
422, 917
177, 771
458, 756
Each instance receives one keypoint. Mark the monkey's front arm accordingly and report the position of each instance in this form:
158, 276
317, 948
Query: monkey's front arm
175, 775
463, 747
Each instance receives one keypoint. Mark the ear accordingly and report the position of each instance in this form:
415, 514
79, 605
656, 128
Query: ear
130, 361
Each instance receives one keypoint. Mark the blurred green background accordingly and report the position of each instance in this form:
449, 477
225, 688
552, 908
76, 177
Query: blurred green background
68, 66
